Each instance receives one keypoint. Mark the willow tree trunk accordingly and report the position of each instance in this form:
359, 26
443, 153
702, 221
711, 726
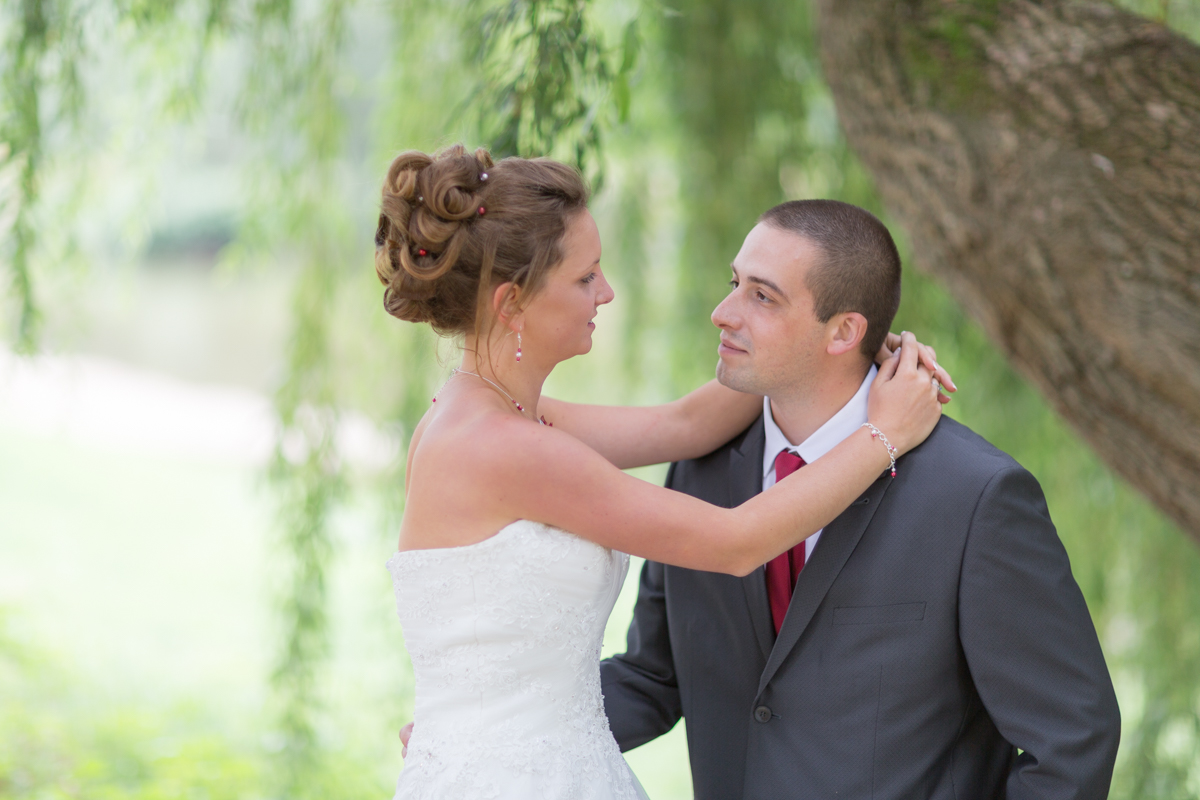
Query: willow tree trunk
1045, 159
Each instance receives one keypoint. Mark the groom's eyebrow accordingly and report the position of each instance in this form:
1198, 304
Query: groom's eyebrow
760, 281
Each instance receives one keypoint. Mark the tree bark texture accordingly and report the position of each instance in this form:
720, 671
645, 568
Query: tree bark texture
1044, 157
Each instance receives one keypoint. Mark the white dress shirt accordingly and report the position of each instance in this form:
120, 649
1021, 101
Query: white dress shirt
838, 427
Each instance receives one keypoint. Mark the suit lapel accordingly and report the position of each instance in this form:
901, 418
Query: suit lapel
745, 481
837, 543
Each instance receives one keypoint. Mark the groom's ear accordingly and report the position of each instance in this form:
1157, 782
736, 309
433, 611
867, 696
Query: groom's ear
845, 332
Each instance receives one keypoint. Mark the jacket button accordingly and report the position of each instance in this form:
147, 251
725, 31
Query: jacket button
762, 714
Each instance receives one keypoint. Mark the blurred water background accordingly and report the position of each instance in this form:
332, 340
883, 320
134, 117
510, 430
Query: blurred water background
140, 533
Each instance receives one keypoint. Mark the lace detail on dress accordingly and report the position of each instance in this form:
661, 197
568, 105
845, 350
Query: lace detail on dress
505, 638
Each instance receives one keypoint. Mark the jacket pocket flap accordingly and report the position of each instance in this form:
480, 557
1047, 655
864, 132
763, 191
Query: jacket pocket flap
874, 615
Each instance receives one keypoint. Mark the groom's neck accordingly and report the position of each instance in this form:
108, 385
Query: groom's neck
801, 410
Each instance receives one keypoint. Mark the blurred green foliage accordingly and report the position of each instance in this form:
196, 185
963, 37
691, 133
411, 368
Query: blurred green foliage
547, 80
59, 741
64, 739
700, 115
1180, 15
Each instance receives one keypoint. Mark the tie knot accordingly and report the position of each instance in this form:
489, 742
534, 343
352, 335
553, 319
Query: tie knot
786, 463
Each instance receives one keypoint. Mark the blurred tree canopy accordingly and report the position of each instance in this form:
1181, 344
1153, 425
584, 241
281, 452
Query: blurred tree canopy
693, 118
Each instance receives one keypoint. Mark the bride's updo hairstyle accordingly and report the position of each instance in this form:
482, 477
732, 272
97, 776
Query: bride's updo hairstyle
454, 225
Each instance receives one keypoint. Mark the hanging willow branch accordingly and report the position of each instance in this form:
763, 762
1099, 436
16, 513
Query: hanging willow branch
36, 29
42, 45
548, 87
292, 103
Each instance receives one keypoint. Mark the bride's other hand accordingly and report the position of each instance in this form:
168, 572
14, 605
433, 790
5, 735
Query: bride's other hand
405, 735
904, 401
928, 357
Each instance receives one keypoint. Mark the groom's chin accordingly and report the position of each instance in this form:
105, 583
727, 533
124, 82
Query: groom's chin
733, 378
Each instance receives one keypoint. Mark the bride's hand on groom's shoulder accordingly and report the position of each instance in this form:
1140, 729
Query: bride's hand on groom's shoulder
928, 359
904, 400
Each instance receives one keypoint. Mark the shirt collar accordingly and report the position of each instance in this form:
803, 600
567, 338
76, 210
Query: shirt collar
838, 427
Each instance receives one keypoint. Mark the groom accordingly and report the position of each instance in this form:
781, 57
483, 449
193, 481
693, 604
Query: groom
929, 643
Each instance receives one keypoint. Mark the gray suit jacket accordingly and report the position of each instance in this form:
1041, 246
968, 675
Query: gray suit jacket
936, 645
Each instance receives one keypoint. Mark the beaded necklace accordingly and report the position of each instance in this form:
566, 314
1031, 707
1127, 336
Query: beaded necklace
498, 387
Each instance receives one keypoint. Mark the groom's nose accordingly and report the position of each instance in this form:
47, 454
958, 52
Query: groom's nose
723, 316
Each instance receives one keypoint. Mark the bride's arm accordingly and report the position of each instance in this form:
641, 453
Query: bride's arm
634, 436
544, 475
695, 424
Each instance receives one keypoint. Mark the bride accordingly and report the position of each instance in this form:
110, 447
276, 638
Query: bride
512, 547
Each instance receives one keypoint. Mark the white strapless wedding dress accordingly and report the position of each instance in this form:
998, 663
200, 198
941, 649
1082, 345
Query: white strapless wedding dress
505, 637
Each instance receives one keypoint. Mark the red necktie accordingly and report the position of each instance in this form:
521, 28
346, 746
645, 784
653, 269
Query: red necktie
783, 569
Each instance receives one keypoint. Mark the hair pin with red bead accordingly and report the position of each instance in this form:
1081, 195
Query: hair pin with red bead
482, 211
422, 252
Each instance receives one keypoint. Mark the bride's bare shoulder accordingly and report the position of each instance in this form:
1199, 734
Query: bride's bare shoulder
459, 473
465, 438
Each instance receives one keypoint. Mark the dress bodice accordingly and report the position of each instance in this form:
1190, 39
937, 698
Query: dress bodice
505, 638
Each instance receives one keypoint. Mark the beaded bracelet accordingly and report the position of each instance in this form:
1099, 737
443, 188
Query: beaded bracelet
878, 434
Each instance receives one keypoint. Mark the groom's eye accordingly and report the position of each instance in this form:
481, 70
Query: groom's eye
733, 283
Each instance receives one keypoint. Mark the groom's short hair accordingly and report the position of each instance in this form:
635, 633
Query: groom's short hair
860, 266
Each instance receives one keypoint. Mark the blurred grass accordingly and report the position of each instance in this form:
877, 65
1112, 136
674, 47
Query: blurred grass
135, 636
